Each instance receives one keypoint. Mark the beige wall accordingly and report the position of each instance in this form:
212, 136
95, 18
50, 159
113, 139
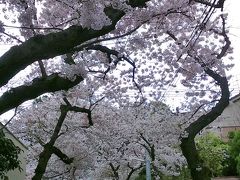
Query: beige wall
16, 174
223, 131
228, 121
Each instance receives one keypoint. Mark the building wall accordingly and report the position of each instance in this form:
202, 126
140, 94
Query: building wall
16, 174
228, 121
224, 131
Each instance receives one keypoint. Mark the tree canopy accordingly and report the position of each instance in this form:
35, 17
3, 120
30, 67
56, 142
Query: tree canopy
133, 51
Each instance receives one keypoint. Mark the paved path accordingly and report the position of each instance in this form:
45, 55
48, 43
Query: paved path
226, 178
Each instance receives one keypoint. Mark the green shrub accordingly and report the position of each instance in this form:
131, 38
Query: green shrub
234, 143
8, 155
214, 153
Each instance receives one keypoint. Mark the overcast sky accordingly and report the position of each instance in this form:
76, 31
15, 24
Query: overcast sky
232, 7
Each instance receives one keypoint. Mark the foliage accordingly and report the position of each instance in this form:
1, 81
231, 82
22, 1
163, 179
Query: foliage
213, 152
222, 158
234, 143
184, 175
8, 155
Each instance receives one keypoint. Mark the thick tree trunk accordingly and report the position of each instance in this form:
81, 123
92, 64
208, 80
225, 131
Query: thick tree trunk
49, 147
15, 96
42, 162
198, 172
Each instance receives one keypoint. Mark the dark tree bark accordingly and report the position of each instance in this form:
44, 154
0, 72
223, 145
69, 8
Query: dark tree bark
115, 171
15, 96
42, 47
198, 172
49, 46
62, 156
133, 170
47, 152
49, 148
54, 44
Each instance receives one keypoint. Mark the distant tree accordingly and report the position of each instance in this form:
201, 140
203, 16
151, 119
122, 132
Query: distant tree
114, 145
9, 153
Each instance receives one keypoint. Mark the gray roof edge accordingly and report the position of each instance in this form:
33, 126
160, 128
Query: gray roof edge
4, 127
235, 98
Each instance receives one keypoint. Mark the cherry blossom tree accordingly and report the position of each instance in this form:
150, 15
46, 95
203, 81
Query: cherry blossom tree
113, 146
130, 47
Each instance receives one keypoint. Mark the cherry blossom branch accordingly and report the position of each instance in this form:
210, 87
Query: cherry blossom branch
35, 28
31, 25
170, 11
226, 38
63, 132
80, 48
115, 170
65, 22
67, 5
187, 145
197, 111
149, 148
48, 148
15, 96
82, 110
62, 156
133, 170
187, 142
71, 7
119, 57
93, 105
13, 37
57, 175
50, 45
39, 140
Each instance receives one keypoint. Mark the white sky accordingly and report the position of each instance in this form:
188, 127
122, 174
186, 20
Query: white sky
232, 7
